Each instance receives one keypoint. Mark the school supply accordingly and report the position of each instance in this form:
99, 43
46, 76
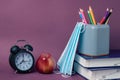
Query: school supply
97, 73
103, 19
91, 16
107, 17
88, 40
83, 16
111, 60
94, 41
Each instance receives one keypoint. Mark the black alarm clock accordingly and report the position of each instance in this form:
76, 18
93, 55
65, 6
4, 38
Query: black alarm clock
21, 58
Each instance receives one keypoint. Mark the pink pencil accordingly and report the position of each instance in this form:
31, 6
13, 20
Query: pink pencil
82, 12
81, 16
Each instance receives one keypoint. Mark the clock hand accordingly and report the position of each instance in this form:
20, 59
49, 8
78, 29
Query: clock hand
26, 61
23, 56
21, 62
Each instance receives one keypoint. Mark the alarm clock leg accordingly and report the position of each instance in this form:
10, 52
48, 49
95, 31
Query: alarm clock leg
15, 71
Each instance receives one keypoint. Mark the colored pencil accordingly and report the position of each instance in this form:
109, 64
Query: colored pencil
103, 19
92, 15
107, 16
90, 18
81, 17
107, 21
82, 12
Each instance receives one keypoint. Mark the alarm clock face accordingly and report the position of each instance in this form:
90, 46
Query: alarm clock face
24, 61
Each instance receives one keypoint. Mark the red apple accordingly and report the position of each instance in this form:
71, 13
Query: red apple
45, 63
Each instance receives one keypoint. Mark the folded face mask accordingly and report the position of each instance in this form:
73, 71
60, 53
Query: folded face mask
66, 60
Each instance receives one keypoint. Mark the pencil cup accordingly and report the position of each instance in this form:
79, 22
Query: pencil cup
94, 41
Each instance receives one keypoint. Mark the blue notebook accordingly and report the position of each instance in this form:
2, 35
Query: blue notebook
111, 60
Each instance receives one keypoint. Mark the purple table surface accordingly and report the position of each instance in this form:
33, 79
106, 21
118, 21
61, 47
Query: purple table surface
7, 74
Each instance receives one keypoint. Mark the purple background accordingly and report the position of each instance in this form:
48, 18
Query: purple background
47, 26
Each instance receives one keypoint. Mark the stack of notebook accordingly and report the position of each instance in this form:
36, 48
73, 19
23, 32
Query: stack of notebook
98, 68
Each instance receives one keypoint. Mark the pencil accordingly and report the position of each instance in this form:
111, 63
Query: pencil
107, 16
103, 19
81, 17
82, 12
92, 15
90, 18
107, 21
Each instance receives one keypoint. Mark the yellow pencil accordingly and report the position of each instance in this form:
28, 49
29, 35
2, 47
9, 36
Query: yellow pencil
92, 15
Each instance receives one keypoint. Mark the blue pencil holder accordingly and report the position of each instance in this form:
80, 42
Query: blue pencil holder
94, 41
